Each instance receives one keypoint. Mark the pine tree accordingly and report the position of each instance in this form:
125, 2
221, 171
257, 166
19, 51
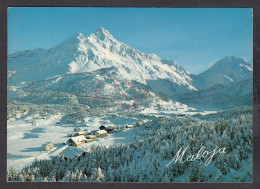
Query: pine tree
197, 172
97, 175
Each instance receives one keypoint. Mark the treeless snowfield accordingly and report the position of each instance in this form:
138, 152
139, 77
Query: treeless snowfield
24, 139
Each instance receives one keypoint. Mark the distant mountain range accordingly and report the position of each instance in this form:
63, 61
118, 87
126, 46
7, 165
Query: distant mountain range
100, 50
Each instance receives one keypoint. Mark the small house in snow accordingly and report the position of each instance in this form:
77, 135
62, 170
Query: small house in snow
82, 133
139, 123
109, 128
129, 126
47, 146
57, 122
101, 133
79, 133
71, 152
77, 140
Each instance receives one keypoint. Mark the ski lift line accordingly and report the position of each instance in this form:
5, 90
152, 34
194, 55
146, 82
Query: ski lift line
97, 90
115, 83
130, 85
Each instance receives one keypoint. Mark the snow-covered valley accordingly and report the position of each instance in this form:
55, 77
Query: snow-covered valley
25, 138
26, 135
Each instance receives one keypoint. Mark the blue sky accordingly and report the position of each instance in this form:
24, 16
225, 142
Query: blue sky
194, 37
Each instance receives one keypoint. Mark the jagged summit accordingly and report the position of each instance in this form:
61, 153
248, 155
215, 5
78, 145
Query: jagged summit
103, 35
80, 53
102, 31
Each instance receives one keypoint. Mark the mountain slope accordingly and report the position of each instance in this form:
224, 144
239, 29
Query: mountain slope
101, 51
81, 53
221, 96
224, 72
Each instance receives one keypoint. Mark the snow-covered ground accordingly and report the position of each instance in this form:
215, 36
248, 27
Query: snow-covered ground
24, 139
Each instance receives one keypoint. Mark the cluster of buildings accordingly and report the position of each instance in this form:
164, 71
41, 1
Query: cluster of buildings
86, 137
83, 137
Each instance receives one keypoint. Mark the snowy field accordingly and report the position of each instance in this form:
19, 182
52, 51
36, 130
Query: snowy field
24, 139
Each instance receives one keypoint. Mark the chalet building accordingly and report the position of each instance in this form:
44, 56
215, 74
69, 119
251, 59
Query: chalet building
110, 128
79, 133
101, 133
57, 122
129, 126
139, 123
77, 140
71, 152
82, 133
47, 146
102, 127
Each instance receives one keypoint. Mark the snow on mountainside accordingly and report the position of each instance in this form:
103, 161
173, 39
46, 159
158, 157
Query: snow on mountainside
221, 96
224, 72
81, 53
89, 54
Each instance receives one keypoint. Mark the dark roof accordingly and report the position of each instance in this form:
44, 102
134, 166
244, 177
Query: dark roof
102, 127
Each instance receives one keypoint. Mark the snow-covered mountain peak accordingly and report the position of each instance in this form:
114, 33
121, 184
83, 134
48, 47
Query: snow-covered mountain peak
232, 60
103, 35
70, 44
80, 53
224, 71
229, 58
102, 32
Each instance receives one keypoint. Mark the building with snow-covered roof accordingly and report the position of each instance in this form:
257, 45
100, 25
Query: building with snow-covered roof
109, 128
71, 152
47, 146
101, 133
79, 133
77, 140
